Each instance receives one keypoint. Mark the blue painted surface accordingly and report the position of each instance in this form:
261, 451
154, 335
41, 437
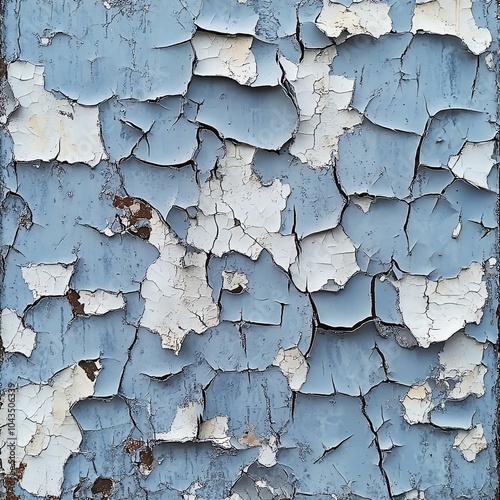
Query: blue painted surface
421, 97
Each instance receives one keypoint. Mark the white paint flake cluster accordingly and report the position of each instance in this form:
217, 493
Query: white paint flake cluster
45, 128
221, 55
451, 17
178, 297
47, 433
365, 17
324, 103
461, 365
435, 310
237, 213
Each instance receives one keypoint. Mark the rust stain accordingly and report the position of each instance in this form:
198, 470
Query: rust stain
133, 445
73, 296
90, 369
137, 209
11, 480
146, 458
102, 485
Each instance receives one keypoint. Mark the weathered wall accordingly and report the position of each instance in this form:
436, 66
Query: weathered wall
249, 249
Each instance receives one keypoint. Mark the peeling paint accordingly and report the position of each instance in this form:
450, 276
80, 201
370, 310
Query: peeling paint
249, 250
45, 128
47, 279
417, 404
470, 442
435, 310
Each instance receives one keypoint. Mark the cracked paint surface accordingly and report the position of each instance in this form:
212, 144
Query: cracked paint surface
249, 250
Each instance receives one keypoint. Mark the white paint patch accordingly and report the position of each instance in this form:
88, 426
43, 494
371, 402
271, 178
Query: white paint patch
15, 336
329, 255
234, 281
184, 427
45, 128
456, 230
100, 302
451, 17
45, 280
435, 310
293, 366
461, 362
363, 202
415, 495
418, 404
178, 297
47, 433
474, 163
267, 454
237, 213
470, 443
366, 17
216, 431
225, 55
324, 104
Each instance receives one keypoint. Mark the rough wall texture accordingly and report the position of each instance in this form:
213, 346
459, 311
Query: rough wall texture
248, 249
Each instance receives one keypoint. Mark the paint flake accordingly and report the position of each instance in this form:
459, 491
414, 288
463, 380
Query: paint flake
47, 432
324, 256
100, 301
47, 279
215, 430
474, 163
222, 55
45, 128
418, 404
178, 297
324, 103
185, 424
435, 310
451, 17
461, 362
15, 336
470, 443
293, 365
365, 17
237, 213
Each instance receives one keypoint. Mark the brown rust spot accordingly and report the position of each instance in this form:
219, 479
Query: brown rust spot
137, 209
133, 445
142, 232
24, 221
11, 480
146, 458
102, 485
73, 296
90, 369
3, 69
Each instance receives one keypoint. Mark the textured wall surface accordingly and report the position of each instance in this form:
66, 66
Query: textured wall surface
248, 249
